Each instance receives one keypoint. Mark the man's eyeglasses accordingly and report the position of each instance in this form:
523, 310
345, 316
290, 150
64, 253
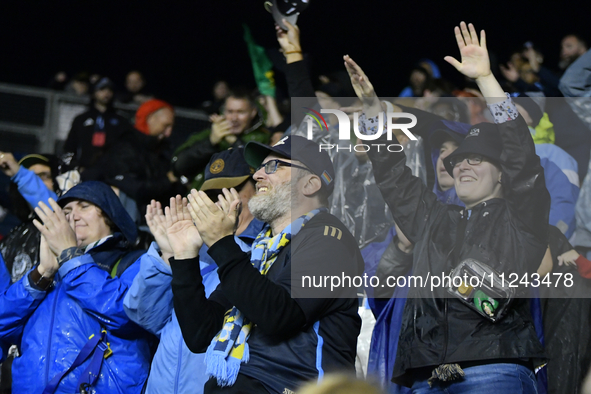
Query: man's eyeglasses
272, 165
473, 160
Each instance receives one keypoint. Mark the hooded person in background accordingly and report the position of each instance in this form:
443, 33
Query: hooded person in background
139, 163
67, 312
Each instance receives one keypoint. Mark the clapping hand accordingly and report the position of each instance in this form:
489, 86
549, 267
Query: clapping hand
220, 129
48, 264
157, 223
183, 236
214, 220
55, 228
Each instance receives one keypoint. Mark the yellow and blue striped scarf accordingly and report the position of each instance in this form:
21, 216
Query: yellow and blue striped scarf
229, 348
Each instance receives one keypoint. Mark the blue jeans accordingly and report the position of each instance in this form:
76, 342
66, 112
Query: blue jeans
484, 379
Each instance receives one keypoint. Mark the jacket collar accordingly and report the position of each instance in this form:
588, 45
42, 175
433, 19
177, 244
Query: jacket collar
485, 204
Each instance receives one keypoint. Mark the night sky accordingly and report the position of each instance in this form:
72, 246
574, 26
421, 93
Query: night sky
184, 46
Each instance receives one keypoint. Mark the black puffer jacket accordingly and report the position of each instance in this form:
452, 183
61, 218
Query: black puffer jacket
507, 234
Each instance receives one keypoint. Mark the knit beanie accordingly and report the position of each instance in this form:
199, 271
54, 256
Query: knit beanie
147, 108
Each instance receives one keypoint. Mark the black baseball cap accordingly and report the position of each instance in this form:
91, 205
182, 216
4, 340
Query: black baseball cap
30, 160
296, 148
104, 83
226, 169
482, 139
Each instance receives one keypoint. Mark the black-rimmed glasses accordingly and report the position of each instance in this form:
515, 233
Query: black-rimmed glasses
272, 165
473, 160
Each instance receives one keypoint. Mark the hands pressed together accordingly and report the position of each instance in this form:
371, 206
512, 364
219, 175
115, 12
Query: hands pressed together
187, 223
56, 236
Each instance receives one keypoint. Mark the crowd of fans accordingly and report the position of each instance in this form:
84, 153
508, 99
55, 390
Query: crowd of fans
136, 266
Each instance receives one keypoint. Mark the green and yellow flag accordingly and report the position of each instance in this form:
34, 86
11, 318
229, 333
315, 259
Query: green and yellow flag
261, 65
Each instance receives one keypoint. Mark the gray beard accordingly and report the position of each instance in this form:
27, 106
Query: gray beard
272, 205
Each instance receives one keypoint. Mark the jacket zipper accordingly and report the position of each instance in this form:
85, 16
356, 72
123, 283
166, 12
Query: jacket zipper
47, 359
445, 332
178, 366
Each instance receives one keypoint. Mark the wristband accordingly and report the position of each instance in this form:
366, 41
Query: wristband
40, 281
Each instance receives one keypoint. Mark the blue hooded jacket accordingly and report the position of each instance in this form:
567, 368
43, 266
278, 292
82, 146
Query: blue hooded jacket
53, 326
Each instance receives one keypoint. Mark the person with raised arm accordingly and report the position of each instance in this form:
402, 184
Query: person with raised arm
445, 343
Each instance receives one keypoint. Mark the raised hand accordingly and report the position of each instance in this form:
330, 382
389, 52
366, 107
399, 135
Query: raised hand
289, 41
363, 88
157, 223
55, 228
183, 236
8, 164
475, 63
214, 221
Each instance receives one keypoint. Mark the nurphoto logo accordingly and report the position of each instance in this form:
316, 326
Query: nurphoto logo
345, 128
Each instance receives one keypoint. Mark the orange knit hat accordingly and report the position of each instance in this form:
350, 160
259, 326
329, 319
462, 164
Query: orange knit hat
147, 108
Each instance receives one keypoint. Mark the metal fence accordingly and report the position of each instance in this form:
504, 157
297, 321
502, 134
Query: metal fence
35, 120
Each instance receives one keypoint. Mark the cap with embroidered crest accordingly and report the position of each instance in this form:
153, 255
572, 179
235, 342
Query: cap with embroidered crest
226, 169
296, 148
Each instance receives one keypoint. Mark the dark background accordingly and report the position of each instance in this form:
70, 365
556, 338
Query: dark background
182, 47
